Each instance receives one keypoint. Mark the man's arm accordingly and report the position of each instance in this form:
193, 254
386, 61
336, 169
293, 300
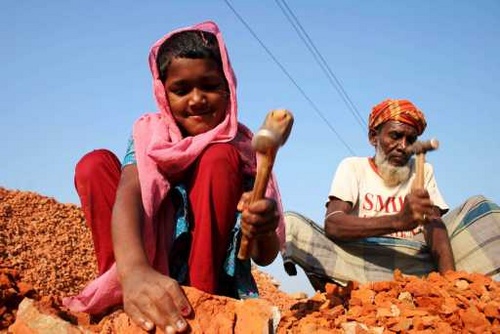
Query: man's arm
436, 237
340, 225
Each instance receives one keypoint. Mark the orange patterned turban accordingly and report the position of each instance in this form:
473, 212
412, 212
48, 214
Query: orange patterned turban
397, 110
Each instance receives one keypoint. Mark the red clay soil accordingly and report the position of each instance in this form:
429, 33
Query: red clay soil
46, 253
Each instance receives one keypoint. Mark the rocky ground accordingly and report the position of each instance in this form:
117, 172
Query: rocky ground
46, 253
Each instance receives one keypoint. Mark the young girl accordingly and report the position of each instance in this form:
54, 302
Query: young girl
171, 209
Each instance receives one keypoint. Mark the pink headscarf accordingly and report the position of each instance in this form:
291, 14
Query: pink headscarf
160, 151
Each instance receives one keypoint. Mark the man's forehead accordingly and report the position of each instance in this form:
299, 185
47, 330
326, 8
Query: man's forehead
399, 127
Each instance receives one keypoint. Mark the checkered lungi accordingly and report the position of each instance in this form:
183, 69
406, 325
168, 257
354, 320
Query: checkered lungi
474, 230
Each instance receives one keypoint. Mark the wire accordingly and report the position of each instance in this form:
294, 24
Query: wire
335, 82
313, 105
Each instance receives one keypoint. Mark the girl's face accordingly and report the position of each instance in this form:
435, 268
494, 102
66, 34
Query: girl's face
197, 93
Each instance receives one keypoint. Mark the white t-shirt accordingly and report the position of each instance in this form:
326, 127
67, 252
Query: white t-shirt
356, 181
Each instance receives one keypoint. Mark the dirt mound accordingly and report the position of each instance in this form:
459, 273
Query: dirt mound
46, 253
47, 242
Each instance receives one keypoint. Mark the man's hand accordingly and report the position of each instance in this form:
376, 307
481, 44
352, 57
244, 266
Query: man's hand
417, 209
150, 299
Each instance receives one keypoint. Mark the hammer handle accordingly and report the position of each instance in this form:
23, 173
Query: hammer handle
259, 189
419, 171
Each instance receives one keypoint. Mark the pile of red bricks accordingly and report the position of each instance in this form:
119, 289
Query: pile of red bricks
457, 302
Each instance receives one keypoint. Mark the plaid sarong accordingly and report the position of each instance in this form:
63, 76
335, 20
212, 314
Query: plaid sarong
474, 230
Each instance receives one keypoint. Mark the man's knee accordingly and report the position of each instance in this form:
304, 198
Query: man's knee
295, 223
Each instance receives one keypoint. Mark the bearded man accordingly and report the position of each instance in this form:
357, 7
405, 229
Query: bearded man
376, 222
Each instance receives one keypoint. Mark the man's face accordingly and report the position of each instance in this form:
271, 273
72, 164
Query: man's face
392, 138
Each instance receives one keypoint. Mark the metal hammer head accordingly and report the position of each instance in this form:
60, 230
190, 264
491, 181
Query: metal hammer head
274, 132
420, 147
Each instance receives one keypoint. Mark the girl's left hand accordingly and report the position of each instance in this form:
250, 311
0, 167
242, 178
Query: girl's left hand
260, 218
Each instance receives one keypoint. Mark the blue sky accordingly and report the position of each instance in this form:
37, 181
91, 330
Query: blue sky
74, 77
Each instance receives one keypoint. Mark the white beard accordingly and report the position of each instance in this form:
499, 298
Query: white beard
391, 175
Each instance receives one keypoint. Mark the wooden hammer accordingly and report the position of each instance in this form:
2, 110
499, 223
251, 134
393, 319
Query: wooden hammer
419, 148
272, 134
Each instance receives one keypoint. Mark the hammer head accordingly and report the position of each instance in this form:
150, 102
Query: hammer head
274, 131
420, 147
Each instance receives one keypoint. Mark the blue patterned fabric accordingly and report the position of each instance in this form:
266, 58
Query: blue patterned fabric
239, 271
129, 158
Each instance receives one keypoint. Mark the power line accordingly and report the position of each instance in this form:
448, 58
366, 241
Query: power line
313, 105
335, 82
